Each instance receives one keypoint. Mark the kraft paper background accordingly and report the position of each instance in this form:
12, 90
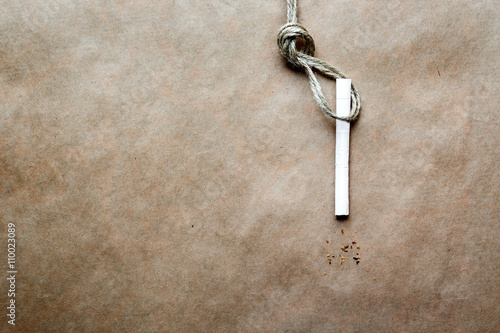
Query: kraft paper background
168, 172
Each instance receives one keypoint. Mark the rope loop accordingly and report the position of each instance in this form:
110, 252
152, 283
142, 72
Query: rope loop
304, 59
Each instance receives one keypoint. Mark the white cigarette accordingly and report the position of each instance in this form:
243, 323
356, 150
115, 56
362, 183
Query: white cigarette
342, 148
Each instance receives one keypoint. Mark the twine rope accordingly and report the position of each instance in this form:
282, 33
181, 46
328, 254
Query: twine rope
304, 59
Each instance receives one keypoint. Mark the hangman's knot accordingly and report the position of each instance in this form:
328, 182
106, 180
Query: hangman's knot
288, 36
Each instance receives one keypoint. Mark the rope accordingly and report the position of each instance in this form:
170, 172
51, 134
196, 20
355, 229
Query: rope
304, 59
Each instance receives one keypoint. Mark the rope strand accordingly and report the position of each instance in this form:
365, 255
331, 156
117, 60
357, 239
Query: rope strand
305, 60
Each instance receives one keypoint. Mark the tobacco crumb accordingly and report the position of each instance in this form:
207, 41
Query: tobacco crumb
327, 241
374, 278
357, 253
324, 273
342, 231
359, 247
354, 242
328, 255
357, 262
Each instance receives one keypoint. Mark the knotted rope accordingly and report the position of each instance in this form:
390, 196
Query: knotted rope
304, 59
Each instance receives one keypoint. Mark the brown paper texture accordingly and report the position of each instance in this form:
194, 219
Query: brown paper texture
166, 171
